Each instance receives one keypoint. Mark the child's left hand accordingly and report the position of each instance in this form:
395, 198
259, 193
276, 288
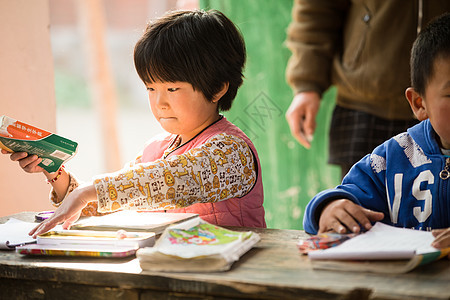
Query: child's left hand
442, 239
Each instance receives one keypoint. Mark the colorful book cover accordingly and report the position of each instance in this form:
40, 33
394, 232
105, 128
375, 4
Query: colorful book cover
77, 250
323, 241
196, 246
17, 136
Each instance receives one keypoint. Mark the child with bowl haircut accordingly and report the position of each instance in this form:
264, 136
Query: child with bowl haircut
191, 63
404, 182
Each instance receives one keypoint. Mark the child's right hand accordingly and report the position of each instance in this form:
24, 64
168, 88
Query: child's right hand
342, 215
29, 163
69, 211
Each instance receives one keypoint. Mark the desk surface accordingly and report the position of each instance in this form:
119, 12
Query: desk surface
274, 269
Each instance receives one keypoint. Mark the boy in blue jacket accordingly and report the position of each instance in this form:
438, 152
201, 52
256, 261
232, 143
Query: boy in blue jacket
404, 182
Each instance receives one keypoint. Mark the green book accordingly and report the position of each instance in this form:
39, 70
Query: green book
17, 136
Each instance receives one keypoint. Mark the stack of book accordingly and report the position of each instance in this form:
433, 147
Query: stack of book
118, 234
196, 246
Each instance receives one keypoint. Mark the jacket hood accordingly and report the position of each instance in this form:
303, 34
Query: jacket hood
425, 136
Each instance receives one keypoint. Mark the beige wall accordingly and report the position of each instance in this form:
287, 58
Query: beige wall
26, 93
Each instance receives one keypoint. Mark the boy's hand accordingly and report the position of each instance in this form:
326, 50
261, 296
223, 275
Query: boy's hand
442, 238
29, 163
343, 215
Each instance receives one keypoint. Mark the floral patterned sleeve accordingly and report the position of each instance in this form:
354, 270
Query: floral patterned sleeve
89, 210
220, 169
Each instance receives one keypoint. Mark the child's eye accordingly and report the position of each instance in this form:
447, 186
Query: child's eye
150, 89
172, 89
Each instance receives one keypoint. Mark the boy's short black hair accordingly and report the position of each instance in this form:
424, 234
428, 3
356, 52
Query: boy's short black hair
203, 48
433, 42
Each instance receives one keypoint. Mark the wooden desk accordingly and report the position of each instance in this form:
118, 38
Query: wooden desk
272, 270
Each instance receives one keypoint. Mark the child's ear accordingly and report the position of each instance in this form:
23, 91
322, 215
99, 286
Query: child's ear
417, 104
222, 92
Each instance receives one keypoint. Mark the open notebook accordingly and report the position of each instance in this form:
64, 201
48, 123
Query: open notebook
383, 248
14, 233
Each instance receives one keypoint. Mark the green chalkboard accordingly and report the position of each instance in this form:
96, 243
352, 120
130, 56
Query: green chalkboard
292, 175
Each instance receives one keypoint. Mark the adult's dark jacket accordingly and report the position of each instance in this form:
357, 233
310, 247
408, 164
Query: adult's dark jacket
362, 47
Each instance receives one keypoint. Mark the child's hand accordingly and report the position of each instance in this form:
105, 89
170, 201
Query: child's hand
342, 215
29, 163
69, 211
442, 238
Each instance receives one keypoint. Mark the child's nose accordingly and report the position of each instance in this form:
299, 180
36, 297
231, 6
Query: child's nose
161, 101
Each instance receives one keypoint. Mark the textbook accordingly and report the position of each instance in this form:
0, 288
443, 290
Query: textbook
17, 136
133, 220
382, 249
14, 235
88, 243
196, 246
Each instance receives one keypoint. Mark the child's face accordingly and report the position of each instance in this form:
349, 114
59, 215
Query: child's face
436, 101
180, 109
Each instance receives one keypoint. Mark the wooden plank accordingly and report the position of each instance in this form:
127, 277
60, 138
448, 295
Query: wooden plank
36, 289
273, 269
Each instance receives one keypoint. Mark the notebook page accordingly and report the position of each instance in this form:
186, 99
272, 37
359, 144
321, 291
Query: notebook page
381, 242
15, 232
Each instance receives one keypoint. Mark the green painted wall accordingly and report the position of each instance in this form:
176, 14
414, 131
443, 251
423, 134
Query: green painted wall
292, 175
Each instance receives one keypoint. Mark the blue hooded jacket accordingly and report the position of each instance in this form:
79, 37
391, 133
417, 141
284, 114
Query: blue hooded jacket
400, 178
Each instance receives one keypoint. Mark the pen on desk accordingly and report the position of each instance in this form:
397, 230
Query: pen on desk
43, 215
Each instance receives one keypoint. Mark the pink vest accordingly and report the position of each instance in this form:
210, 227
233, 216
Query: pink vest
247, 211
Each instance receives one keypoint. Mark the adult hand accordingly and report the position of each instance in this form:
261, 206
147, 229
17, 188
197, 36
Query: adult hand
29, 163
442, 238
342, 215
301, 116
69, 211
